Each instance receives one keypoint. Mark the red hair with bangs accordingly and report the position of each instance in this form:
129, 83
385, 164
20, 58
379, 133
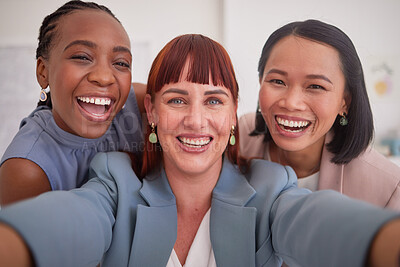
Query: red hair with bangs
206, 58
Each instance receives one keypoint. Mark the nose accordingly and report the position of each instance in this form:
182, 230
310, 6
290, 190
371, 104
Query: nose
195, 117
102, 74
293, 99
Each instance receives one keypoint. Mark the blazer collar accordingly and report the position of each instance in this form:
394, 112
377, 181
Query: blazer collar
232, 225
156, 224
156, 190
232, 186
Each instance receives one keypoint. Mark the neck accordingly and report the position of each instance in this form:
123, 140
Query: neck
193, 191
304, 162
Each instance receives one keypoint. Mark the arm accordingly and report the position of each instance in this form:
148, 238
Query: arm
82, 218
13, 250
385, 248
21, 179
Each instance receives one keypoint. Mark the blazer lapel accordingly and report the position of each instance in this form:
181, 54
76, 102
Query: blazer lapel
156, 224
232, 225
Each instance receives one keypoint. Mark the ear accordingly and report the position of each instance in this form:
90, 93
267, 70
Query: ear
345, 103
150, 110
42, 72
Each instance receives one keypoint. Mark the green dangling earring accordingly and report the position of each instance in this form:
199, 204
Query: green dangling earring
153, 136
343, 120
232, 139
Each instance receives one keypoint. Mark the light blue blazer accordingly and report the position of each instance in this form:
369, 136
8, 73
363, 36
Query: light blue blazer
256, 220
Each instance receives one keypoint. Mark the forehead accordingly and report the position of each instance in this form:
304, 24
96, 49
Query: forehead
93, 25
302, 53
192, 89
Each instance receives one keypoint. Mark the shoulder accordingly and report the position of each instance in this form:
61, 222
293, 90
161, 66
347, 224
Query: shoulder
116, 165
111, 161
373, 178
250, 146
372, 161
27, 137
263, 173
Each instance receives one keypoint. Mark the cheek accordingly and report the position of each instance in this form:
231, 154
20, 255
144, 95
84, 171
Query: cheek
168, 122
223, 122
267, 100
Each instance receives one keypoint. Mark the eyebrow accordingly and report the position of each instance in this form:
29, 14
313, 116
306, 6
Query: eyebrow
175, 90
217, 91
310, 76
93, 45
81, 42
184, 92
122, 49
318, 76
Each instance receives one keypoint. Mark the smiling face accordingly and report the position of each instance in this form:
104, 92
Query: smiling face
301, 93
193, 125
88, 72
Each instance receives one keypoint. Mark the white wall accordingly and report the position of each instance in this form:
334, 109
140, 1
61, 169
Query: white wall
242, 26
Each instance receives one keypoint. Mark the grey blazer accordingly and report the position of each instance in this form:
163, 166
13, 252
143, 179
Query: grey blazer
256, 220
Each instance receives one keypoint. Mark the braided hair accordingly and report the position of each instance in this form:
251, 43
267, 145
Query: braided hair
48, 30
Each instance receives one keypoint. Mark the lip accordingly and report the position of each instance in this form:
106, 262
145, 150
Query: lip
292, 134
194, 149
96, 117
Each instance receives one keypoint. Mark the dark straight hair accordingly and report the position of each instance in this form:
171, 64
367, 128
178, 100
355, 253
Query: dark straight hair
350, 140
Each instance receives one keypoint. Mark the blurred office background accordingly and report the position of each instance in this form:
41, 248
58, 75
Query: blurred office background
242, 26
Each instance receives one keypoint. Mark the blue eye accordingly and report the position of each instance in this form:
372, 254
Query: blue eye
176, 101
214, 101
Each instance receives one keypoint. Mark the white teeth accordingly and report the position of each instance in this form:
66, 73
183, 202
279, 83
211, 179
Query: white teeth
195, 142
95, 100
287, 123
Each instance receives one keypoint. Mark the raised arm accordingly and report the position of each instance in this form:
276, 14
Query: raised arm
21, 179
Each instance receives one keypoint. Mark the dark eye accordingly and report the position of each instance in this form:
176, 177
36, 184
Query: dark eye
80, 57
277, 81
123, 64
316, 86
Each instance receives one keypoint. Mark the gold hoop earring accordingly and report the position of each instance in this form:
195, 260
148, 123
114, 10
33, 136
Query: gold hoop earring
232, 139
153, 135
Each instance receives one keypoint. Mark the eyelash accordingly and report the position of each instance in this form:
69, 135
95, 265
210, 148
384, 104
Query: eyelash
120, 64
123, 64
277, 81
316, 86
175, 100
312, 86
181, 101
214, 99
80, 57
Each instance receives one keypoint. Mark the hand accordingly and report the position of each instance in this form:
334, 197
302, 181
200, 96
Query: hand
13, 250
385, 248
